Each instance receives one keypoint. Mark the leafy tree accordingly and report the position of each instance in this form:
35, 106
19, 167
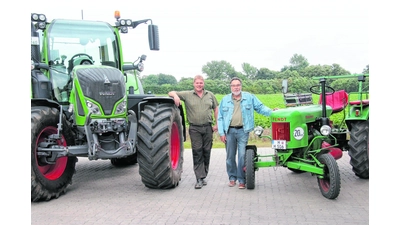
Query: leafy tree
166, 79
185, 84
149, 80
317, 71
366, 70
158, 79
265, 74
286, 74
217, 87
249, 71
219, 70
297, 62
338, 70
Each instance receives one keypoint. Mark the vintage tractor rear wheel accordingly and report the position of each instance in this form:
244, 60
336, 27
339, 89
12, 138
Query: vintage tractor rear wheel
160, 145
49, 180
359, 148
330, 184
250, 170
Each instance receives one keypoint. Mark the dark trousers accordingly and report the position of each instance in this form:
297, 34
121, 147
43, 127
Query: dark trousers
201, 138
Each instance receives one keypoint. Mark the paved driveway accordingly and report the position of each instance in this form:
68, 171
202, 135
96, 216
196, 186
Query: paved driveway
104, 194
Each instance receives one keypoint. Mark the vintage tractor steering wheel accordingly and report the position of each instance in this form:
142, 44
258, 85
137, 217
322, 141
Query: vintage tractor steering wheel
313, 89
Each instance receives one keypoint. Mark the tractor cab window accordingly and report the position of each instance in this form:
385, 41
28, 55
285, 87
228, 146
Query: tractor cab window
71, 43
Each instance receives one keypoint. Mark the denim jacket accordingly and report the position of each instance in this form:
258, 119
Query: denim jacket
248, 104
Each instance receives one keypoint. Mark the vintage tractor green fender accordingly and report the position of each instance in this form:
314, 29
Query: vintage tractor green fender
358, 113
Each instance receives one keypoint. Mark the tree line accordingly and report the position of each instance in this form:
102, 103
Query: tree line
299, 74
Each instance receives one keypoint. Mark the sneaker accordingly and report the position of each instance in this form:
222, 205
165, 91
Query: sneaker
199, 184
232, 183
241, 186
204, 182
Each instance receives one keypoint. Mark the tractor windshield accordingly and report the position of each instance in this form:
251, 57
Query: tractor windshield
77, 42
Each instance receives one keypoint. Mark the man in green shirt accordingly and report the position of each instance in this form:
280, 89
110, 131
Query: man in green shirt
200, 105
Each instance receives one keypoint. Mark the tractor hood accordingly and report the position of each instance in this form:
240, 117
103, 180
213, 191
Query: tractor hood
300, 114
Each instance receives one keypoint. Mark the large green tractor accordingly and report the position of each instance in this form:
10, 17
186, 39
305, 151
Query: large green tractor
304, 138
86, 101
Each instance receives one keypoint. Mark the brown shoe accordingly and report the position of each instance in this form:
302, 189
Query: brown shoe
242, 186
232, 183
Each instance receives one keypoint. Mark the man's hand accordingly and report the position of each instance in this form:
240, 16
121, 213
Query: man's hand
177, 100
223, 138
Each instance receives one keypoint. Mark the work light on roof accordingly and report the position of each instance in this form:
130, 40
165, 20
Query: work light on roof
38, 17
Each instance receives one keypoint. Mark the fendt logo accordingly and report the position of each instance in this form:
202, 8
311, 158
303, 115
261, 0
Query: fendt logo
106, 80
107, 93
283, 119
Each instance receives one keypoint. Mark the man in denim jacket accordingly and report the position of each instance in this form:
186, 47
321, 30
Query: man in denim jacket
235, 122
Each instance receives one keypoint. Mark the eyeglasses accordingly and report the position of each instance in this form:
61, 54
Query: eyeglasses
236, 85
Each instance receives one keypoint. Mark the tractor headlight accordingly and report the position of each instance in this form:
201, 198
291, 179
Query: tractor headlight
93, 108
258, 131
121, 108
326, 130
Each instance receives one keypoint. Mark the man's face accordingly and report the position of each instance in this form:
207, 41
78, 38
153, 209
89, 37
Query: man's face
236, 87
198, 84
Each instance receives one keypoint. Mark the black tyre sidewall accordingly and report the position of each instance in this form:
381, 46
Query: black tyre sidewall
41, 187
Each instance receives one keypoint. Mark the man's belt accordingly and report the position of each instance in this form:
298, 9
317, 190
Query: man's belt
201, 125
236, 127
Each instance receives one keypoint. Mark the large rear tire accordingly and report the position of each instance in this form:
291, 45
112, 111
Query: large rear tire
160, 145
330, 184
359, 148
49, 180
250, 170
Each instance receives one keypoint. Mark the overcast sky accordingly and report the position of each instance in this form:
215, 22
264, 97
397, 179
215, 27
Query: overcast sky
261, 33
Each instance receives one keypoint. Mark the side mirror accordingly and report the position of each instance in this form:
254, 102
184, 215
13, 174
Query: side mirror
284, 86
154, 40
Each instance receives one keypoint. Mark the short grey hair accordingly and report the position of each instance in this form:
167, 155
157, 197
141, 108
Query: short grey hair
236, 78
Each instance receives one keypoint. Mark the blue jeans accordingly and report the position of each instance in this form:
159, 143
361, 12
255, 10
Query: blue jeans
236, 141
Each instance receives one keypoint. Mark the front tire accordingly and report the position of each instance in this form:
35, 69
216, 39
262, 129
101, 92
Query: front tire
250, 170
160, 145
359, 148
49, 180
330, 184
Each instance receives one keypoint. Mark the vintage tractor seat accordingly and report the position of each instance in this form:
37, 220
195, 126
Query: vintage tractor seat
338, 100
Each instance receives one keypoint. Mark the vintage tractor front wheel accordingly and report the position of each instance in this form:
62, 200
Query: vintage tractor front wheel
160, 145
330, 184
359, 148
49, 180
250, 170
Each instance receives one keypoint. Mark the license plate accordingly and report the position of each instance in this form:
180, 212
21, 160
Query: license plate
279, 144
